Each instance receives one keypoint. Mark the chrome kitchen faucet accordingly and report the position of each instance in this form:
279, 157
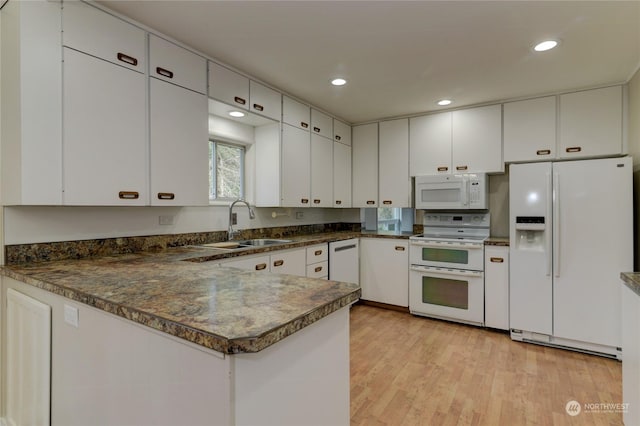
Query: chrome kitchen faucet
252, 215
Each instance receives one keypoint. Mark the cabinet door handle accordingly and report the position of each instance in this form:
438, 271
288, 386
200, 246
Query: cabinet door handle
258, 107
338, 137
443, 168
166, 196
338, 202
318, 268
278, 263
461, 167
497, 259
370, 202
128, 195
543, 152
164, 72
304, 125
316, 129
387, 202
318, 252
316, 201
261, 266
127, 59
399, 248
574, 149
304, 200
239, 100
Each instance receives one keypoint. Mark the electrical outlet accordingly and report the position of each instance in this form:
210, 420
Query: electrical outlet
299, 215
166, 220
71, 315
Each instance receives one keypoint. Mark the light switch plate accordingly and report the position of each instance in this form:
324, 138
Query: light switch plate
71, 315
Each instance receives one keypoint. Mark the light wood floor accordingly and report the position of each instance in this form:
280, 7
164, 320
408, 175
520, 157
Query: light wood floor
408, 370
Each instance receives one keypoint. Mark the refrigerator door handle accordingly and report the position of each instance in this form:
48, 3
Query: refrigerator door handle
548, 232
556, 225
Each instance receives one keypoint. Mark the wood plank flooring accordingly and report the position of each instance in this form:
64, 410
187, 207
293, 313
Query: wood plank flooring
408, 370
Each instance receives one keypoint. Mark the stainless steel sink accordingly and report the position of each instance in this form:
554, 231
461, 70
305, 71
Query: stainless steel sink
262, 242
244, 244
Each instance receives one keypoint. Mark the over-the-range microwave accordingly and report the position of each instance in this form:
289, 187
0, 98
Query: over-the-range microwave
452, 192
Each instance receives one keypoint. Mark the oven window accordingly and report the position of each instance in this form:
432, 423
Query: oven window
460, 257
445, 292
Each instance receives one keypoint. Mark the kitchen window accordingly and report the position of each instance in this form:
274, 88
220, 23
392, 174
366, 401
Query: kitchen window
226, 171
389, 219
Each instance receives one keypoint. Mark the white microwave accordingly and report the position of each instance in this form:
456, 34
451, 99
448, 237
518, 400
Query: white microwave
452, 192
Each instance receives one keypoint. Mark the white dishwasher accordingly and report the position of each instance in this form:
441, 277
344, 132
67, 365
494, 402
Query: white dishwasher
344, 261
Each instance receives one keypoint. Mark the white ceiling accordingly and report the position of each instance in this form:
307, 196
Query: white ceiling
400, 57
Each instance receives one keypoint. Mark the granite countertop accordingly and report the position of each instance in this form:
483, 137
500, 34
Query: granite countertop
175, 291
632, 280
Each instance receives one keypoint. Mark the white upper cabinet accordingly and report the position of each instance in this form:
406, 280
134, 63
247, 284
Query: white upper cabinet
477, 140
394, 180
591, 123
321, 124
430, 144
104, 128
31, 103
228, 86
530, 130
321, 171
295, 113
341, 132
296, 176
93, 31
341, 175
365, 165
179, 160
177, 65
265, 101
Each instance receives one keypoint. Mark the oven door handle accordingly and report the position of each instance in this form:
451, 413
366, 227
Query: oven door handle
470, 246
459, 273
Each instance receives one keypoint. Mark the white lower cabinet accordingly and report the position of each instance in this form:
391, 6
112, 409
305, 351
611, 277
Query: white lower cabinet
318, 261
384, 270
291, 262
496, 287
630, 354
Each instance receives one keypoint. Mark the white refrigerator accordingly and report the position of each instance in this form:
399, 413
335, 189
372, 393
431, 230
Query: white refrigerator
571, 234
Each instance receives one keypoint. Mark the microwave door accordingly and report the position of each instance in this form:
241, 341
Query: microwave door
442, 195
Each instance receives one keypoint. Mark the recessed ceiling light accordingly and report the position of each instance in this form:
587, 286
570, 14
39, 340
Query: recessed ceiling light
236, 114
338, 81
444, 102
545, 45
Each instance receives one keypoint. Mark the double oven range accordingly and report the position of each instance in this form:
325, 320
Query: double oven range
446, 277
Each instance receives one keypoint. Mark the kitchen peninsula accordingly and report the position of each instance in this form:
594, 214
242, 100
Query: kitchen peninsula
163, 338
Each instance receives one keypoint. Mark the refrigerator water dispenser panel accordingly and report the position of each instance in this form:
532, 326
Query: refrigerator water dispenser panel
530, 233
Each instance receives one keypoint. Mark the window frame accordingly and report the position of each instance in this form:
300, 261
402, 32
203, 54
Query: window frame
213, 169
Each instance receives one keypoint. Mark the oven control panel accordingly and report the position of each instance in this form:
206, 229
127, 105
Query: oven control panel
475, 220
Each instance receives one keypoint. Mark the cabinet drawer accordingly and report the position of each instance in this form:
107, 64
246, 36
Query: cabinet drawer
321, 124
90, 30
265, 101
177, 65
257, 263
318, 270
295, 113
228, 86
318, 253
